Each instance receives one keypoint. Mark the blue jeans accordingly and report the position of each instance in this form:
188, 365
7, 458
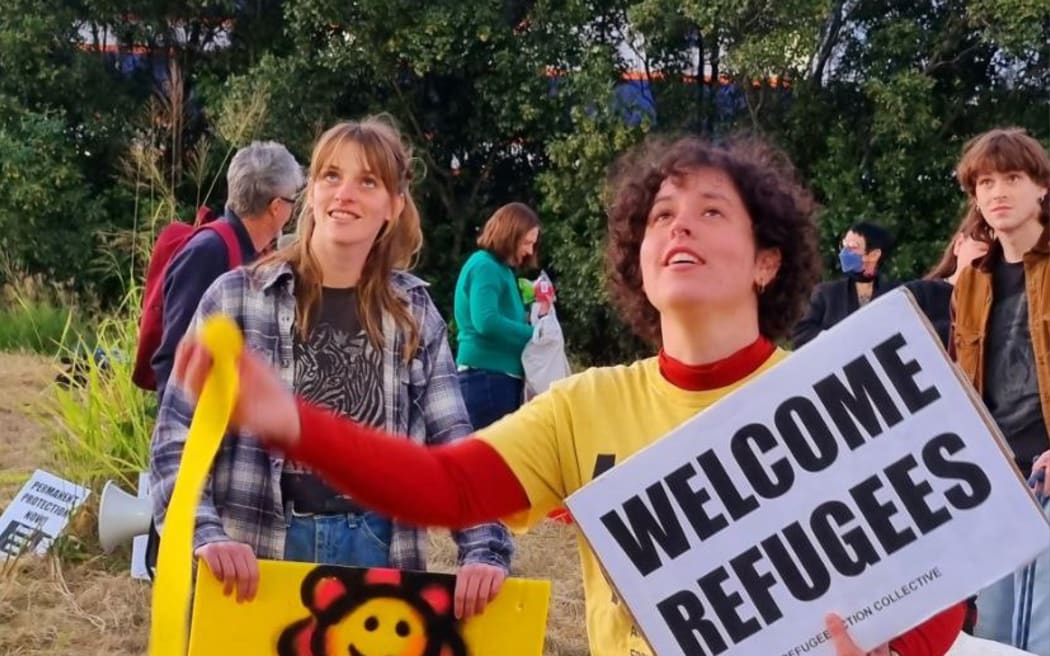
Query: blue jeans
489, 395
1016, 609
355, 540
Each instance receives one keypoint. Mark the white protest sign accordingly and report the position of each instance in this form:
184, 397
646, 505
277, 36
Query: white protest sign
38, 514
858, 476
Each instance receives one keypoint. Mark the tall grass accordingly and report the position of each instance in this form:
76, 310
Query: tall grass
31, 325
34, 315
100, 427
100, 423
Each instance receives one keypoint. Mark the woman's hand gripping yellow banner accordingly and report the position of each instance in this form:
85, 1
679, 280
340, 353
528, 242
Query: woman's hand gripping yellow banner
171, 591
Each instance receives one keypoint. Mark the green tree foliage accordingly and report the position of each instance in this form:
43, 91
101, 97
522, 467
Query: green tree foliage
509, 100
466, 82
81, 90
872, 100
56, 133
48, 214
913, 82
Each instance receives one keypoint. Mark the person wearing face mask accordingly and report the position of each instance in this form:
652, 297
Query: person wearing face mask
491, 316
864, 249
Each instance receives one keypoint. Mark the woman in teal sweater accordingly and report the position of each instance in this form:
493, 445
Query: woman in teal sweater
492, 319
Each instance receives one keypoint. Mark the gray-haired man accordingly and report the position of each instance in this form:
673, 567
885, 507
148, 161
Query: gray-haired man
262, 181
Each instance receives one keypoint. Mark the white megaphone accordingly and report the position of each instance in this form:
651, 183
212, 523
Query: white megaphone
121, 516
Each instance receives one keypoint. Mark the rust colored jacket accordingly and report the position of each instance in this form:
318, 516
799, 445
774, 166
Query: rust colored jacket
972, 304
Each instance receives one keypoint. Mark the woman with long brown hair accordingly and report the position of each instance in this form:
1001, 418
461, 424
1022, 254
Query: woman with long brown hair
933, 292
350, 330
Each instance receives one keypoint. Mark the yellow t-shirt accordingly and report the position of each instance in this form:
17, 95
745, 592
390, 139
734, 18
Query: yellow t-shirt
580, 428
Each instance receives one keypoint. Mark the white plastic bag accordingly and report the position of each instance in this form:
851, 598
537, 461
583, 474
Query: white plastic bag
967, 645
544, 356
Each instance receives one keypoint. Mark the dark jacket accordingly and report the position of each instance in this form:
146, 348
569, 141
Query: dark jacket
830, 303
934, 298
189, 274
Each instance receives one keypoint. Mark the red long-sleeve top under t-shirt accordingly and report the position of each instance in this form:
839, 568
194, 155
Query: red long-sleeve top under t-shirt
468, 482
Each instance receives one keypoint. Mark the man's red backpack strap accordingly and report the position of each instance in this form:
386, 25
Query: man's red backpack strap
170, 241
229, 237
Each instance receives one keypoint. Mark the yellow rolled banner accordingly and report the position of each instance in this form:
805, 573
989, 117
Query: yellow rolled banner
171, 590
283, 619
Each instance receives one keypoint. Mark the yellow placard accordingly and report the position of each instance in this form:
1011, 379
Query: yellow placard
304, 609
171, 590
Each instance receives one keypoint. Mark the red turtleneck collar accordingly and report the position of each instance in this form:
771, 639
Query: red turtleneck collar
716, 374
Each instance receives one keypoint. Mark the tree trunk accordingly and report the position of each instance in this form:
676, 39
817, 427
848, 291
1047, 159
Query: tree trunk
829, 35
701, 86
457, 216
716, 83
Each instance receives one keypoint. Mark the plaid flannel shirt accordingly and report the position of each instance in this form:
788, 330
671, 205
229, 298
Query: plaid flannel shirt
242, 499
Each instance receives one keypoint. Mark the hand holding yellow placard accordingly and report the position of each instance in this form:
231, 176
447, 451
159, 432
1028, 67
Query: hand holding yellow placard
512, 625
171, 591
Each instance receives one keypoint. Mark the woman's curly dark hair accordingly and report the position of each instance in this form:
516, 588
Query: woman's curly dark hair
780, 207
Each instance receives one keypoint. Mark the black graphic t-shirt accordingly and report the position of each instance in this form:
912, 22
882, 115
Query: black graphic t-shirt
1010, 383
338, 368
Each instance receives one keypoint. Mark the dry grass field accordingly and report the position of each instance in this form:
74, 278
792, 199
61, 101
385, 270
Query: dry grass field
86, 604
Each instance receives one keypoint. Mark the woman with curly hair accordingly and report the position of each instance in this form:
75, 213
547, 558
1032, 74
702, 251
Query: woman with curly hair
713, 253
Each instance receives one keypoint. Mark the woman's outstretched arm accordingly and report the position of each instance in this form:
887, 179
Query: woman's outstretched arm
453, 486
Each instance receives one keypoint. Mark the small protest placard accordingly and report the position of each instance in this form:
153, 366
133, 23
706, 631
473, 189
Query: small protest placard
361, 611
860, 476
38, 514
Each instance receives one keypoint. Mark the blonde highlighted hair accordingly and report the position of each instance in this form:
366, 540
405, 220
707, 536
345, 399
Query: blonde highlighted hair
395, 248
